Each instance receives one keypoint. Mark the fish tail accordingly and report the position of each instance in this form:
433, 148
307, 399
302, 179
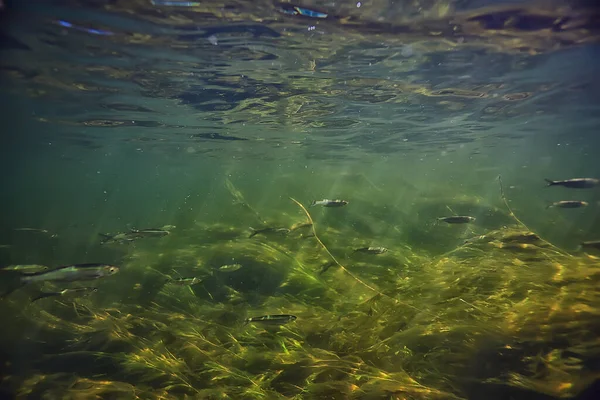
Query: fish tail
252, 232
550, 182
313, 203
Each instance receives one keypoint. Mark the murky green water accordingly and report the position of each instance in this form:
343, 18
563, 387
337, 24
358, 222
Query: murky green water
204, 120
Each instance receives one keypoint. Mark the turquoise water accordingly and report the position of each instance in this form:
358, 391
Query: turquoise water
211, 116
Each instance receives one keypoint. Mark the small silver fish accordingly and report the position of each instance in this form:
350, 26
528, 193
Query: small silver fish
133, 234
328, 203
229, 267
300, 225
569, 204
265, 231
31, 230
150, 232
37, 230
71, 273
277, 319
185, 281
25, 268
576, 183
118, 237
82, 290
371, 250
456, 219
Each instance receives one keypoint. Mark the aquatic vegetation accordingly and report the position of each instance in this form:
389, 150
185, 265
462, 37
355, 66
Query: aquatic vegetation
388, 287
504, 308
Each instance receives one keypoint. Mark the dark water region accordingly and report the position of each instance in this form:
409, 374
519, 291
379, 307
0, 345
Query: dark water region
151, 135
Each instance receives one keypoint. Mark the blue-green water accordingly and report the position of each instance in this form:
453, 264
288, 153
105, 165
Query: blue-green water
211, 117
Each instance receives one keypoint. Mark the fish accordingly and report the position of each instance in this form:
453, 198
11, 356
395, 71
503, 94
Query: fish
328, 203
133, 234
37, 230
185, 281
71, 273
25, 268
371, 250
229, 267
150, 232
265, 231
457, 219
277, 319
576, 183
301, 225
117, 238
569, 204
31, 230
63, 292
593, 244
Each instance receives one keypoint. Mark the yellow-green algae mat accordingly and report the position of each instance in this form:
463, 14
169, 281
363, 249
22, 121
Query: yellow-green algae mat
505, 311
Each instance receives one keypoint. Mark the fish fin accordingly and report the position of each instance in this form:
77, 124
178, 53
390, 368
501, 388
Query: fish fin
549, 206
247, 321
550, 183
252, 232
